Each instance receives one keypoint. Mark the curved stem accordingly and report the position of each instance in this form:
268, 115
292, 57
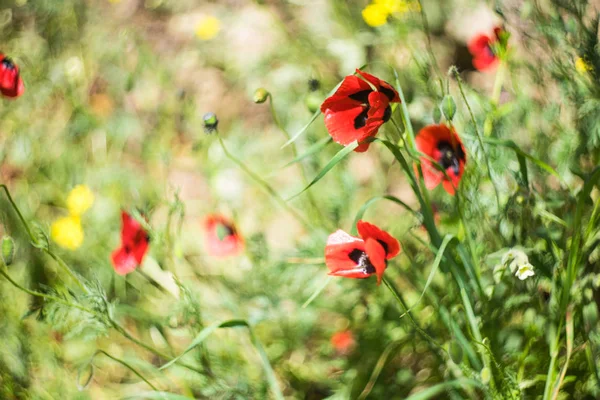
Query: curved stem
305, 180
479, 139
126, 365
265, 186
46, 250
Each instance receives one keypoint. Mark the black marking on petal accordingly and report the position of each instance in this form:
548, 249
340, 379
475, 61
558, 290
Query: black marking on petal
362, 260
450, 157
460, 152
7, 63
362, 96
384, 245
355, 255
390, 94
361, 119
387, 114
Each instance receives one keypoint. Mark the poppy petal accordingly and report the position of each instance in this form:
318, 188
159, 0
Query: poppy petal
123, 261
338, 249
373, 80
341, 125
350, 86
221, 237
390, 244
376, 254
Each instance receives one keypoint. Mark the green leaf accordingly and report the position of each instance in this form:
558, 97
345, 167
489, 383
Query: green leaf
434, 268
156, 395
439, 388
317, 292
332, 163
378, 368
204, 333
315, 148
369, 202
304, 128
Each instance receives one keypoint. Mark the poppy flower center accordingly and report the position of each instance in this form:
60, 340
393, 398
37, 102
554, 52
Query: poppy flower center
363, 96
7, 63
223, 231
450, 157
362, 260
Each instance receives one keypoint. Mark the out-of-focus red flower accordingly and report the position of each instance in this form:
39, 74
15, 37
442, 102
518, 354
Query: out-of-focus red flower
354, 257
134, 245
443, 145
11, 84
358, 108
343, 341
481, 48
221, 237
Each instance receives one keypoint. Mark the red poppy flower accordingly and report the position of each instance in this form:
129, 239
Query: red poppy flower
11, 84
443, 145
221, 237
354, 257
358, 108
343, 341
134, 245
481, 49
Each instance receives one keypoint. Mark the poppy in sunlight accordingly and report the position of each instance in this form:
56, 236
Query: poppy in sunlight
440, 143
11, 84
483, 48
134, 245
221, 237
358, 108
343, 341
360, 257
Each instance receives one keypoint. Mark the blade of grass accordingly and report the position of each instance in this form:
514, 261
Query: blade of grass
317, 292
204, 333
378, 368
441, 387
332, 163
371, 201
314, 149
434, 268
569, 329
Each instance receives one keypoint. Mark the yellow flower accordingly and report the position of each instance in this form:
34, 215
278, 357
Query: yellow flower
208, 28
375, 14
67, 232
80, 199
582, 66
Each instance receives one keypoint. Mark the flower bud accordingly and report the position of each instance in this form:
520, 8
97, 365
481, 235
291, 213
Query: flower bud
8, 250
448, 107
260, 95
313, 102
210, 122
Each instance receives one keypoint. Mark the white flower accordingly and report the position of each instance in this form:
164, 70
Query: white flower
524, 271
516, 258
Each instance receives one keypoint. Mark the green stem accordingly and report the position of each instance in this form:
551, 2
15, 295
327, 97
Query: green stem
429, 46
42, 295
498, 82
114, 324
480, 140
406, 119
407, 311
126, 365
311, 199
265, 186
46, 250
